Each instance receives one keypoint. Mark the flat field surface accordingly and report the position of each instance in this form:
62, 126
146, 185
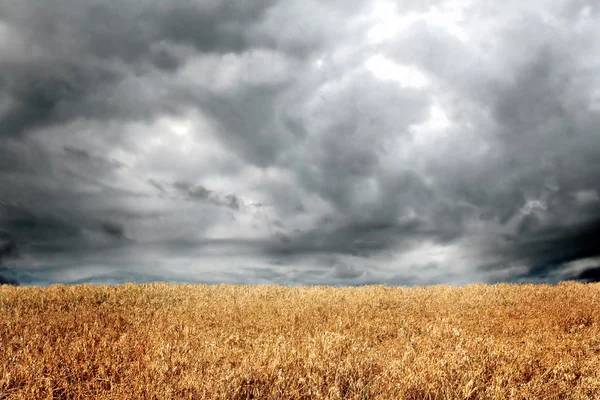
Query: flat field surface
162, 341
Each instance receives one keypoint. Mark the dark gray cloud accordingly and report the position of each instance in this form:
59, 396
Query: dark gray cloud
589, 275
299, 142
7, 248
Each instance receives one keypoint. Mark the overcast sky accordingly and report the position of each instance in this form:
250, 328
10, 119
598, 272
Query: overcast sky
299, 141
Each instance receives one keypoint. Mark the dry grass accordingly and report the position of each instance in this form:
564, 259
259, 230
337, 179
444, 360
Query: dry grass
164, 341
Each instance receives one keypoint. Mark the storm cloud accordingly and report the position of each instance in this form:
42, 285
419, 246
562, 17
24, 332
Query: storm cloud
299, 142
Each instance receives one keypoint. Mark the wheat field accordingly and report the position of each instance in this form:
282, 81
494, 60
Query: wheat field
163, 341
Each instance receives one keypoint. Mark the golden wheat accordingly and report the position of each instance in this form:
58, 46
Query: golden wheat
162, 341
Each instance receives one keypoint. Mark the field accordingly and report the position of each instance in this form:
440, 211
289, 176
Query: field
161, 341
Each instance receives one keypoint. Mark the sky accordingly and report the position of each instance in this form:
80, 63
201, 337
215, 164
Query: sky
299, 142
